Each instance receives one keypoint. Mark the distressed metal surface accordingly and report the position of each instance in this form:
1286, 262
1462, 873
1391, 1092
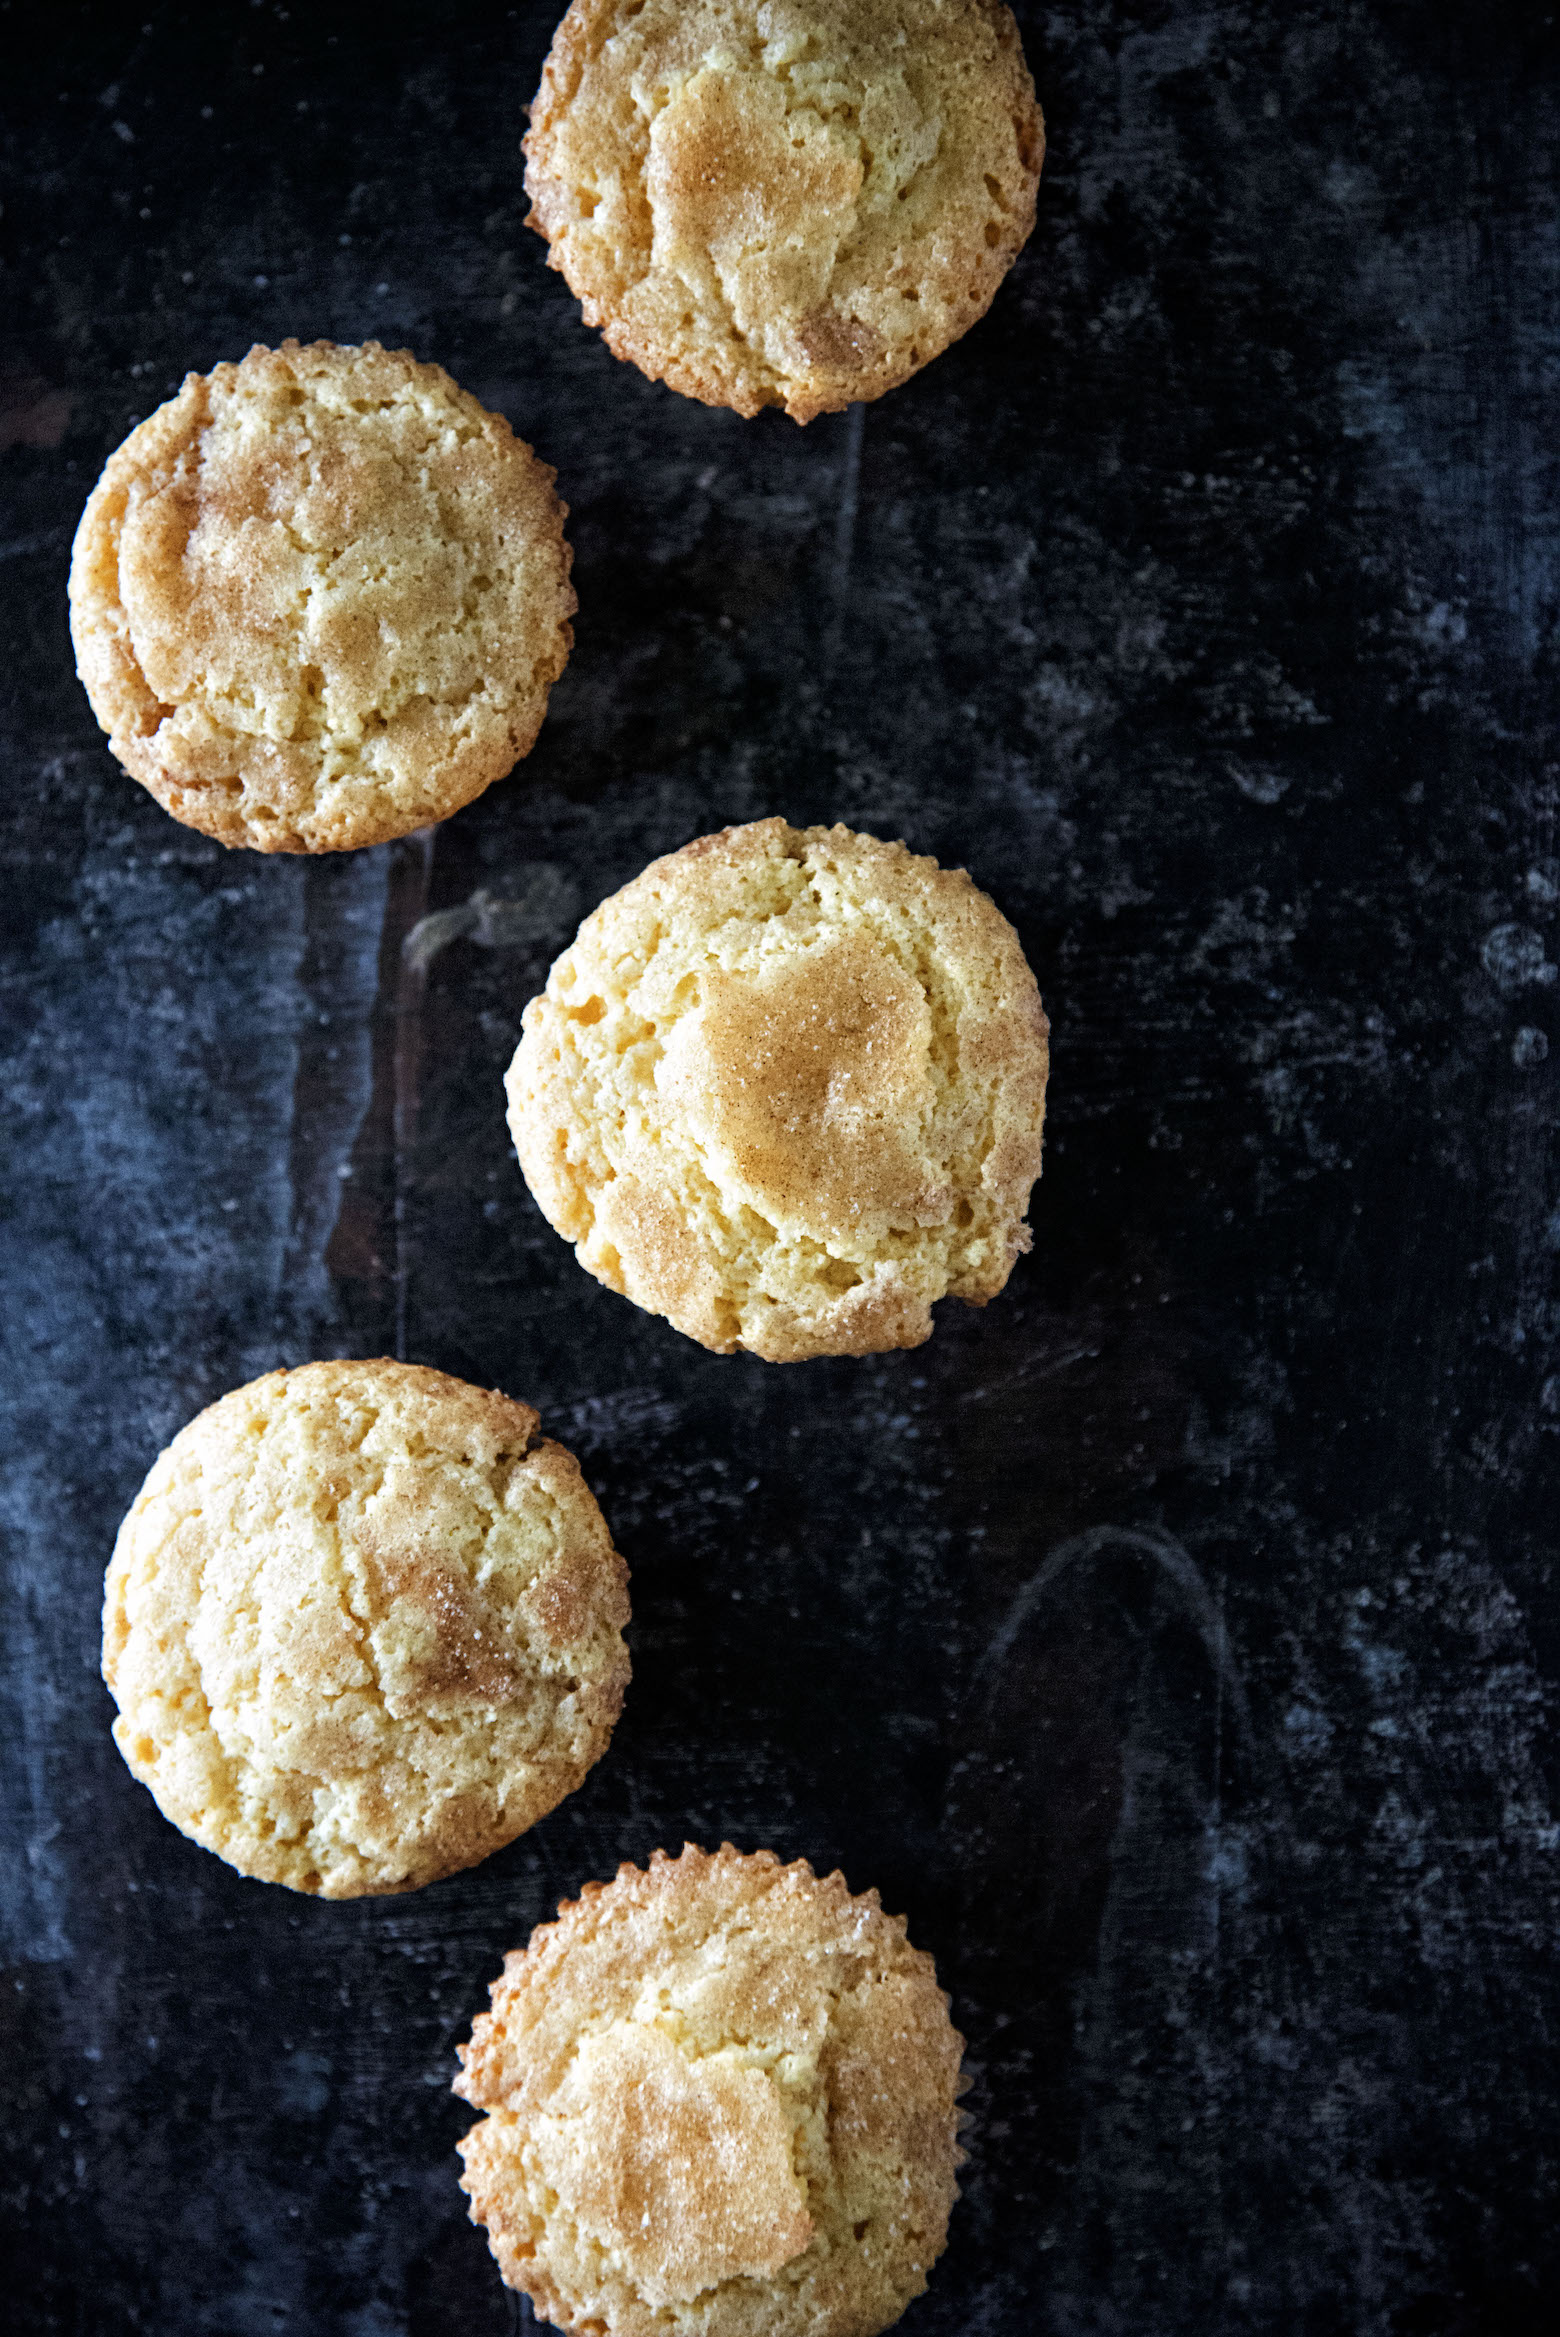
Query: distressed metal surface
1177, 1640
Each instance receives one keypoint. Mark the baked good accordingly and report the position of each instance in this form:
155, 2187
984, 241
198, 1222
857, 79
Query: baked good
363, 1627
319, 598
787, 1089
720, 2098
790, 203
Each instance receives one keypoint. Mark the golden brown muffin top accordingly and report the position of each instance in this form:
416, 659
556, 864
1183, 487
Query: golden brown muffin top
784, 202
721, 2097
363, 1627
319, 598
787, 1089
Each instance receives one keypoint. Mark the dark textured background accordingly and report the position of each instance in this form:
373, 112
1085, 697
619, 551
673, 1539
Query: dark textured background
1177, 1641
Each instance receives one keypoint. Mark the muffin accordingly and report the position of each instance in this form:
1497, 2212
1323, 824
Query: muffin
363, 1626
721, 2098
788, 203
319, 598
787, 1090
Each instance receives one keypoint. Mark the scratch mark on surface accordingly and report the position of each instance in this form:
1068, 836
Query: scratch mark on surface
535, 904
1159, 1551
